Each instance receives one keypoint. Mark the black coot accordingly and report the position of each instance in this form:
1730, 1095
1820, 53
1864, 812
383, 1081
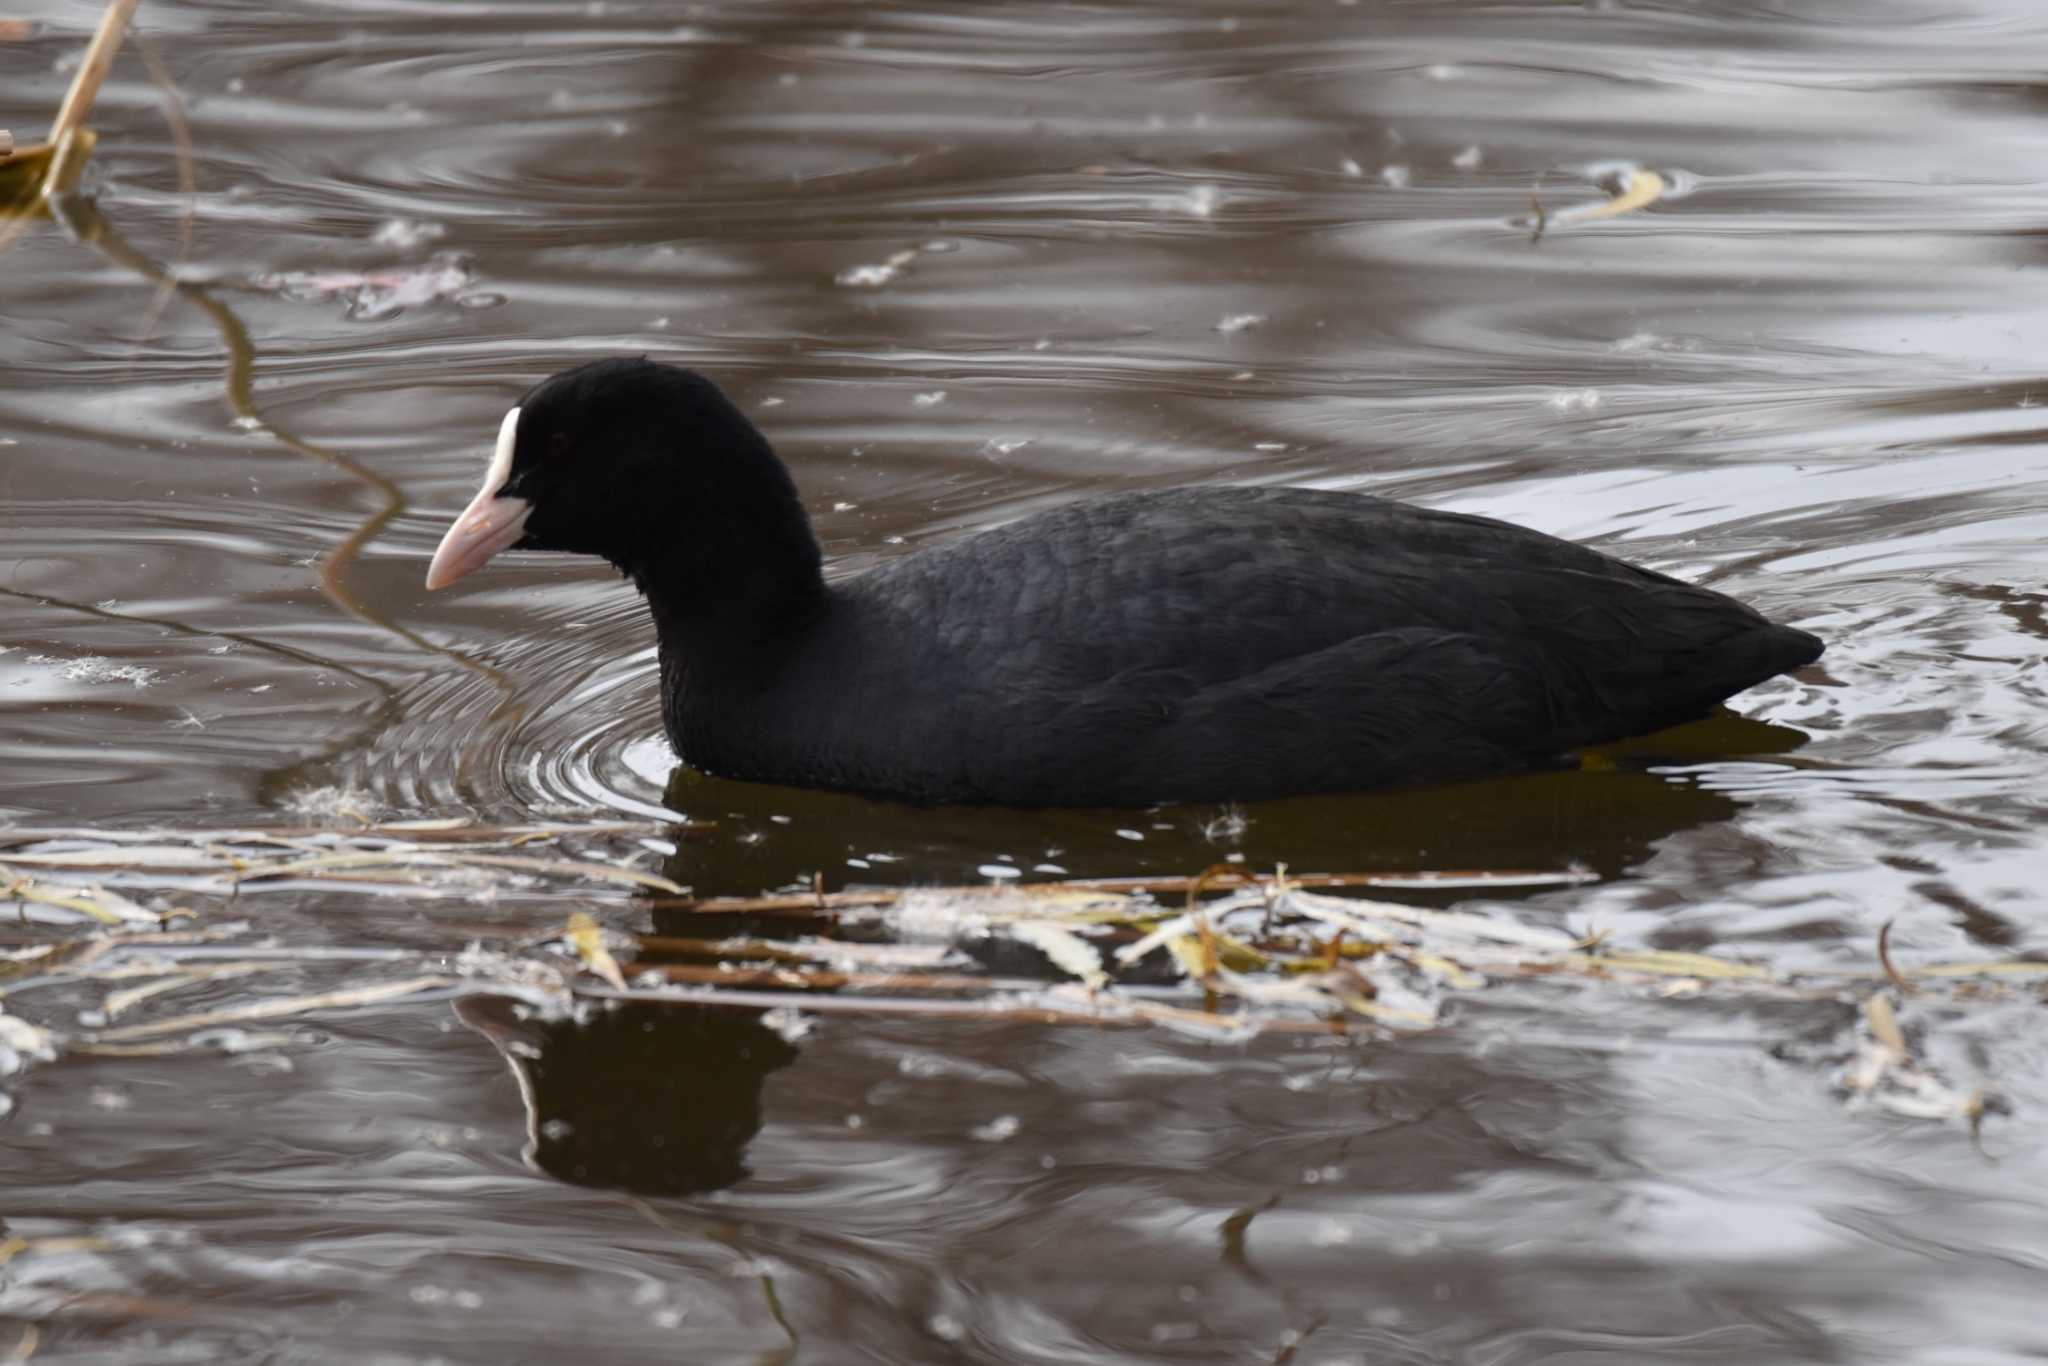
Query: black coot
1204, 644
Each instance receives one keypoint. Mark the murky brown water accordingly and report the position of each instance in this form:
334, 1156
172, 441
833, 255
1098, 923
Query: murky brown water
963, 261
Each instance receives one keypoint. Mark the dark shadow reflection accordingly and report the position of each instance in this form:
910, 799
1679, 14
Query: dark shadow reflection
659, 1099
664, 1099
1605, 816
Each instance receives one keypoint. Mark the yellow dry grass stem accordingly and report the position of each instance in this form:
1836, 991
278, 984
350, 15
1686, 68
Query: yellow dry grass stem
34, 173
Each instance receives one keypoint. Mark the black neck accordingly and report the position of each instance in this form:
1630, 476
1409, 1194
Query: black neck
733, 583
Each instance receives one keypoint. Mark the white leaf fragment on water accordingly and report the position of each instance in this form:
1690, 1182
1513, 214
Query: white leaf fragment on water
22, 1043
1069, 952
406, 233
929, 400
1238, 322
997, 1130
375, 294
97, 669
874, 276
333, 800
1575, 401
1885, 1073
793, 1025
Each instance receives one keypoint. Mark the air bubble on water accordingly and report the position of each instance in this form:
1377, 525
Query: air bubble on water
998, 871
1394, 176
1575, 401
1238, 322
1351, 167
928, 400
1468, 160
247, 422
946, 1328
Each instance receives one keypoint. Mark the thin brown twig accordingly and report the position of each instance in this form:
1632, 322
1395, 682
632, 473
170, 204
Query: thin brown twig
239, 383
1884, 958
92, 71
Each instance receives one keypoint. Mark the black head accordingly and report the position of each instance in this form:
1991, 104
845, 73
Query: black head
646, 465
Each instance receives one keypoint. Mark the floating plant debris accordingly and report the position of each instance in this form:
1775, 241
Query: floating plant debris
1628, 188
1220, 955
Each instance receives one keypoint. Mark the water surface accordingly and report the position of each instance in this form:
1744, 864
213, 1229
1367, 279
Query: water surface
962, 262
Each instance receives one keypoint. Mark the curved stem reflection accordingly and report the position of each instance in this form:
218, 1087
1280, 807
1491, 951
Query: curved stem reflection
84, 220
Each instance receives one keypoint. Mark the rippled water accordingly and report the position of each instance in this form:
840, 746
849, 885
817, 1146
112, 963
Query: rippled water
962, 262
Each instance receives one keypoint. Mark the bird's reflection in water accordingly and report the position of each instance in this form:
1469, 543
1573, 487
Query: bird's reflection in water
658, 1099
1605, 816
663, 1099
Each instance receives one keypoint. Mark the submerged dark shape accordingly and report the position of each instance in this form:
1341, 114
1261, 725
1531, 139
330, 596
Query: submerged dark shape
1203, 644
660, 1099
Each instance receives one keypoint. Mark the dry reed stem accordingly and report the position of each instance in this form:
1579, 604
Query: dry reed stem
808, 903
92, 71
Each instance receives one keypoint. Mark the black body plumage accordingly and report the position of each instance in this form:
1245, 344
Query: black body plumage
1199, 644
